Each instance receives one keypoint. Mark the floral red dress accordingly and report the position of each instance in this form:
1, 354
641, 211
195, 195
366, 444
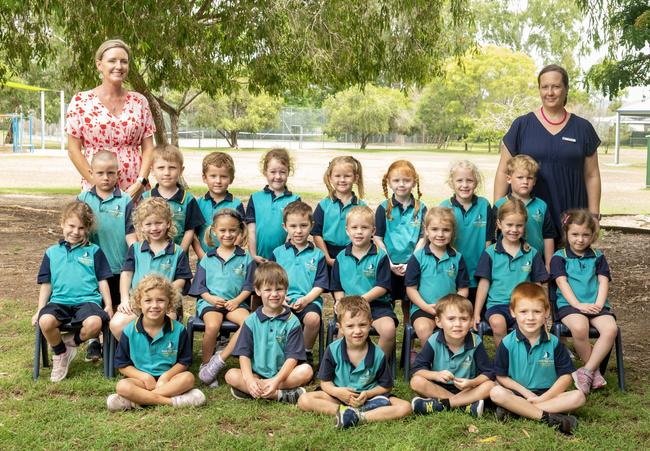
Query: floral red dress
89, 120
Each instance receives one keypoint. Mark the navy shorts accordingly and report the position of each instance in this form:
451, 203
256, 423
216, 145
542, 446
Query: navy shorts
569, 310
422, 314
224, 311
472, 295
538, 392
311, 307
451, 388
380, 309
503, 310
73, 314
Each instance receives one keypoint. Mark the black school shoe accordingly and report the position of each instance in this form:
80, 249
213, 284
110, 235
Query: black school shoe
564, 423
94, 351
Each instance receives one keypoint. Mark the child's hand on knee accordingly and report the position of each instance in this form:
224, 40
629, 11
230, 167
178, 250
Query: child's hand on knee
443, 376
463, 384
253, 387
35, 319
125, 307
109, 311
269, 386
149, 382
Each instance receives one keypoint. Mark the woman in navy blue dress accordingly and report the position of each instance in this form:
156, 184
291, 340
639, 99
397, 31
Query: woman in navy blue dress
563, 144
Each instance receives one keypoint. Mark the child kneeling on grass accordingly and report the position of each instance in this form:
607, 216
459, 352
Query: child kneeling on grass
533, 367
270, 345
154, 353
452, 369
355, 376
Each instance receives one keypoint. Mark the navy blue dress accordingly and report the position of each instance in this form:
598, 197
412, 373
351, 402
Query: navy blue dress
561, 159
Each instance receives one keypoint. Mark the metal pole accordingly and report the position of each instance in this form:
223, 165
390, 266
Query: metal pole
42, 120
647, 163
31, 132
20, 132
617, 138
62, 119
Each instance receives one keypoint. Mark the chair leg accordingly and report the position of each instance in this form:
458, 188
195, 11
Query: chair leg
37, 353
44, 351
106, 350
605, 362
111, 350
190, 333
619, 360
331, 330
393, 361
406, 353
321, 342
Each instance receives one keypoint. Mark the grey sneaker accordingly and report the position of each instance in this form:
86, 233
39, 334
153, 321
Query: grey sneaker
116, 403
194, 397
502, 414
291, 395
61, 363
583, 378
238, 394
93, 351
209, 371
599, 381
565, 423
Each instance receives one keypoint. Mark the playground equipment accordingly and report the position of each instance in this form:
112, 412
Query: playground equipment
17, 121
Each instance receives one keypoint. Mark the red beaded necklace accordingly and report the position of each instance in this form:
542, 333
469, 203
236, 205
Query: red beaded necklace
553, 123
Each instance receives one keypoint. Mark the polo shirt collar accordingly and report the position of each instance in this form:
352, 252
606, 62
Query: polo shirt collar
168, 327
400, 205
589, 253
353, 201
468, 344
238, 252
371, 251
450, 251
282, 316
179, 197
455, 202
288, 245
228, 198
169, 249
531, 198
524, 248
368, 360
273, 195
543, 336
68, 246
116, 192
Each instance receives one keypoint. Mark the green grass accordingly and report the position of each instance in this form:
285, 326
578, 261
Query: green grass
72, 414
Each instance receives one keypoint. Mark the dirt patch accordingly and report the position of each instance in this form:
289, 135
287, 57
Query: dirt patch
29, 224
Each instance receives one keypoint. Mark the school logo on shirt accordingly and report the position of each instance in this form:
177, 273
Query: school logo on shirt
169, 350
415, 223
166, 265
85, 259
480, 221
467, 362
240, 270
178, 213
281, 338
538, 216
369, 271
527, 267
311, 265
365, 377
115, 212
452, 270
546, 360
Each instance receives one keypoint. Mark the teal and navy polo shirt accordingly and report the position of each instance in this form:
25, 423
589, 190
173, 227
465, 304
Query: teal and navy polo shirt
581, 272
357, 277
433, 277
329, 222
467, 363
171, 262
505, 272
539, 225
185, 211
372, 371
269, 342
403, 231
306, 269
474, 228
74, 272
153, 355
209, 207
113, 224
224, 278
536, 366
265, 209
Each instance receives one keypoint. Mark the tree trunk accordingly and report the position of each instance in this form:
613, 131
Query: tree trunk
233, 139
174, 118
226, 136
364, 141
140, 86
489, 146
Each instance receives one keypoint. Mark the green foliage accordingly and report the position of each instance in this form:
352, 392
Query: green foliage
366, 112
624, 26
238, 111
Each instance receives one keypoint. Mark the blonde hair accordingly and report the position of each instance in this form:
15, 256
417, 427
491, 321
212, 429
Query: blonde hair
530, 292
153, 282
219, 160
168, 152
362, 211
512, 206
465, 164
270, 273
405, 167
444, 215
279, 153
104, 155
83, 212
354, 305
156, 206
454, 300
522, 163
357, 170
112, 44
231, 213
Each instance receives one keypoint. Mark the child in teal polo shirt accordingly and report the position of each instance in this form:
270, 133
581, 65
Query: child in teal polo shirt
434, 271
474, 221
222, 287
167, 167
341, 175
114, 232
73, 283
452, 369
218, 173
503, 265
363, 269
307, 270
154, 253
355, 375
533, 367
582, 277
521, 174
154, 353
270, 346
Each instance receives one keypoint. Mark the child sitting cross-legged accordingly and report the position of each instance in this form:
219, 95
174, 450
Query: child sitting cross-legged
452, 369
355, 376
154, 353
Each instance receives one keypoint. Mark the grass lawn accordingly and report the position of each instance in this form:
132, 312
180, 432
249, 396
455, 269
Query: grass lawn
72, 414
